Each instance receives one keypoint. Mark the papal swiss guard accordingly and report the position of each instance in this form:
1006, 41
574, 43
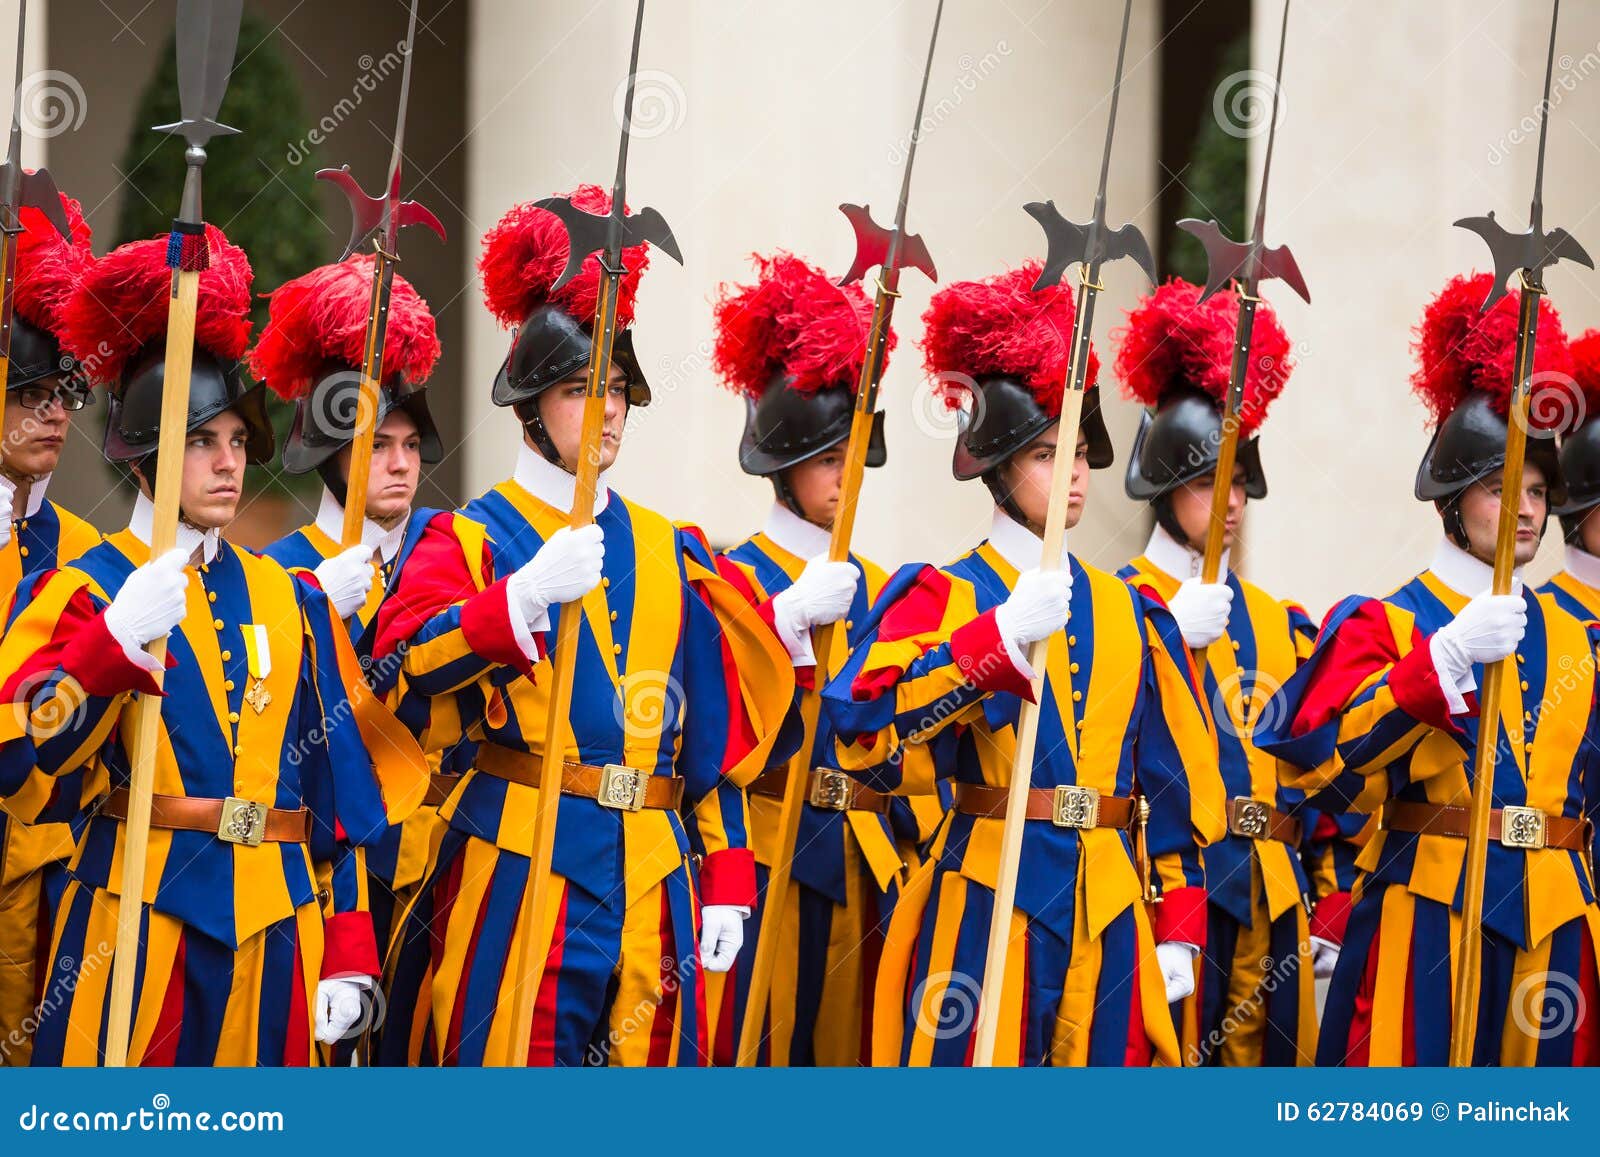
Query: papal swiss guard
44, 386
1384, 716
680, 693
1254, 1001
1577, 587
943, 664
255, 940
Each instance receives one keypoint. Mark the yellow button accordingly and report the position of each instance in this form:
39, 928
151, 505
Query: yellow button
1072, 640
1079, 725
613, 616
233, 717
24, 524
1077, 696
24, 551
606, 583
849, 625
212, 596
1528, 747
616, 648
1520, 659
226, 655
1236, 644
227, 684
1074, 668
1524, 684
217, 623
238, 749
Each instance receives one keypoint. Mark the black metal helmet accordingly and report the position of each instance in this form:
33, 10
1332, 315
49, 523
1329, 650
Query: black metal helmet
1181, 441
133, 420
1470, 445
549, 347
1006, 416
324, 420
787, 426
36, 354
1580, 474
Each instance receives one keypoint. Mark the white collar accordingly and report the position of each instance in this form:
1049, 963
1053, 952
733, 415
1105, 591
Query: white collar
551, 484
1584, 567
143, 519
1177, 559
330, 520
1017, 544
36, 491
794, 534
1463, 573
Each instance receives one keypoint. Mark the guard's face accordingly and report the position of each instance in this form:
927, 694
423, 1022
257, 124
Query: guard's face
1026, 478
561, 410
1191, 506
36, 427
396, 467
816, 483
213, 471
1480, 515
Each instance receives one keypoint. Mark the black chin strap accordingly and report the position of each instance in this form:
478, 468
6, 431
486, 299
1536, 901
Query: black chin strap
1002, 497
785, 495
332, 477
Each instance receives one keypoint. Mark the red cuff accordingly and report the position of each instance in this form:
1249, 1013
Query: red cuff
981, 656
729, 877
486, 625
1415, 685
349, 946
97, 661
1181, 916
1330, 917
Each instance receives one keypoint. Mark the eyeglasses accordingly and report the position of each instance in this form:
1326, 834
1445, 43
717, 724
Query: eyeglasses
40, 397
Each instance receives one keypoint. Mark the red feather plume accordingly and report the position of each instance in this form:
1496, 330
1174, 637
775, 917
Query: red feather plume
1460, 349
527, 250
321, 317
1585, 351
49, 267
121, 305
1173, 339
999, 325
793, 320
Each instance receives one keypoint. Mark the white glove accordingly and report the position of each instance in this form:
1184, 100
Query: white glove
1176, 961
1201, 609
8, 494
151, 602
566, 568
822, 594
1037, 607
1488, 628
721, 935
339, 1002
1324, 955
346, 579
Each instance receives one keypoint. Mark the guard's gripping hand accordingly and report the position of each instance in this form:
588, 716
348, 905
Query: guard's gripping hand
151, 601
566, 567
1176, 961
8, 494
1201, 609
346, 579
822, 594
339, 1001
721, 935
1487, 629
1037, 607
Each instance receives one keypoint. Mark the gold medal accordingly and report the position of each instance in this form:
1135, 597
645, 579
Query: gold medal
260, 659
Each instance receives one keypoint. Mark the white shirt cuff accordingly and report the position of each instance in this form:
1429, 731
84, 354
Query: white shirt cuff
1455, 684
1018, 657
798, 644
138, 656
523, 631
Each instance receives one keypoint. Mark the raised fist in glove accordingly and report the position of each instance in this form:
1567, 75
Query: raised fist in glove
339, 1003
151, 602
1324, 956
1201, 609
721, 935
1037, 607
1486, 629
1176, 961
8, 494
822, 594
566, 568
346, 579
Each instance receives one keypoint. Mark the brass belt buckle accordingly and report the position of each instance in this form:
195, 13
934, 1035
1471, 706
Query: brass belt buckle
1522, 827
1249, 817
622, 787
1076, 807
830, 790
243, 822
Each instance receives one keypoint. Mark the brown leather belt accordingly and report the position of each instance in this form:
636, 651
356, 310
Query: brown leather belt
616, 785
235, 821
826, 788
1065, 807
1514, 827
440, 785
1255, 820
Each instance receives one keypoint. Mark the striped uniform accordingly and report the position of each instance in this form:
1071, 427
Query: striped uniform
847, 873
1254, 1001
234, 938
1574, 596
1083, 986
677, 674
33, 857
1366, 722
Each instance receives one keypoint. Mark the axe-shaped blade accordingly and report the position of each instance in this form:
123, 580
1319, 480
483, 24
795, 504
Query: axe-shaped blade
366, 211
874, 242
590, 232
1534, 250
36, 190
1228, 260
208, 34
1068, 244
